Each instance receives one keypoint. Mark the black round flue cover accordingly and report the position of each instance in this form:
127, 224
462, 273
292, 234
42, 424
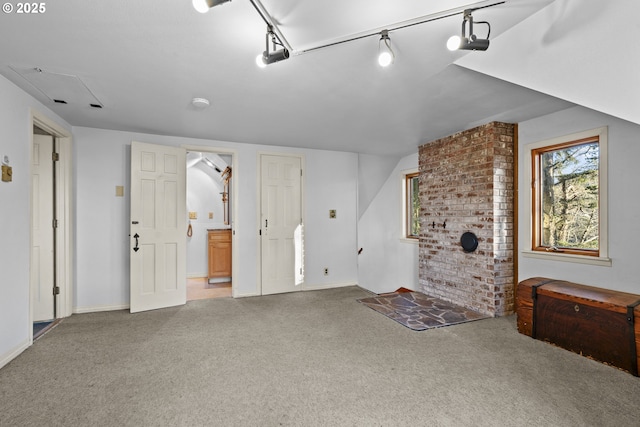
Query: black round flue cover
469, 241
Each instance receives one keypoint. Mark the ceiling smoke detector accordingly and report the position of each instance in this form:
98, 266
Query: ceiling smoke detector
200, 103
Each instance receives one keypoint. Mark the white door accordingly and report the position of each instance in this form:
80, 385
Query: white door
158, 226
42, 228
281, 215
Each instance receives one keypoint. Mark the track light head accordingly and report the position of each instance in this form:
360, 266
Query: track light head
385, 53
203, 6
472, 42
268, 57
277, 56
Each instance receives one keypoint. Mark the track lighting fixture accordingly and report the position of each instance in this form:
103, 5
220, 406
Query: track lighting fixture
203, 6
267, 57
472, 42
275, 39
385, 53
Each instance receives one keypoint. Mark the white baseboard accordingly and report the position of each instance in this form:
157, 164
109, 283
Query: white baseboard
305, 287
328, 286
12, 354
250, 294
97, 308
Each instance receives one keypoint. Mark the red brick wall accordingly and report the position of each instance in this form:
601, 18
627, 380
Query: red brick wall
466, 180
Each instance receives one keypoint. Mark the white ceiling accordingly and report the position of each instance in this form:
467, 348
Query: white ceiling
146, 60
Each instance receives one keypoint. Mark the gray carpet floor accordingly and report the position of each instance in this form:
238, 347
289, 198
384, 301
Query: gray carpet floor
303, 359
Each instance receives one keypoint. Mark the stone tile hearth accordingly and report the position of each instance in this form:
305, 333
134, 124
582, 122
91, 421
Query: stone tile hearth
419, 312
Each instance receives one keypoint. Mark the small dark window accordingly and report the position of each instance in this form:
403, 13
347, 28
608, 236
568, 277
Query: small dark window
412, 208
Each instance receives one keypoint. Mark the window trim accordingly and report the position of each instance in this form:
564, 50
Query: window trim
406, 175
571, 255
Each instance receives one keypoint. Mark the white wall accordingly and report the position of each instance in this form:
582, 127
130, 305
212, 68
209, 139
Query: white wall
103, 160
373, 171
387, 261
15, 229
623, 206
331, 182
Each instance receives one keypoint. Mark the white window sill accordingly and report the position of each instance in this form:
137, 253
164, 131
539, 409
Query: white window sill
580, 259
407, 240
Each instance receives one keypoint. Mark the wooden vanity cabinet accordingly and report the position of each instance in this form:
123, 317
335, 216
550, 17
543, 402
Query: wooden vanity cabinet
219, 253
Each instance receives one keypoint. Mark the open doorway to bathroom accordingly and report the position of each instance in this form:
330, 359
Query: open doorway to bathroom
209, 234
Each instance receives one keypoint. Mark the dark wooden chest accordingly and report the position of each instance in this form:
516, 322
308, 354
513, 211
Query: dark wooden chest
598, 323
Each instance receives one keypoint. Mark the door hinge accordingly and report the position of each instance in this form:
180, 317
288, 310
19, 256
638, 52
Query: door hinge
54, 223
55, 157
56, 290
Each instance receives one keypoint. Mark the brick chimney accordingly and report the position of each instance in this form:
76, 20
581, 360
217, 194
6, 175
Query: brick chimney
467, 185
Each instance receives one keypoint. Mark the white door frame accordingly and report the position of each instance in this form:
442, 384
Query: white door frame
259, 204
64, 244
235, 178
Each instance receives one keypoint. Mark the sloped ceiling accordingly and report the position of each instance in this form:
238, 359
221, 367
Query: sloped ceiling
581, 51
146, 60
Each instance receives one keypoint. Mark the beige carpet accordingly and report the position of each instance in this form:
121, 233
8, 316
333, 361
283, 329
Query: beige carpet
303, 359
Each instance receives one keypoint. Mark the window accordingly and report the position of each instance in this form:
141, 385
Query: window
412, 206
567, 195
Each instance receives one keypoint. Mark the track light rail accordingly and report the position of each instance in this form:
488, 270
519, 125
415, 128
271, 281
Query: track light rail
398, 26
385, 58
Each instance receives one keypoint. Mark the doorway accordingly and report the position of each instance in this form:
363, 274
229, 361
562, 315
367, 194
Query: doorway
43, 284
210, 225
50, 238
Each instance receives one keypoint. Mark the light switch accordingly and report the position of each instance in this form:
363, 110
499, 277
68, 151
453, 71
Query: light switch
193, 215
210, 215
119, 191
7, 173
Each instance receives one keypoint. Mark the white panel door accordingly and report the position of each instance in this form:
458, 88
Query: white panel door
158, 227
281, 214
42, 228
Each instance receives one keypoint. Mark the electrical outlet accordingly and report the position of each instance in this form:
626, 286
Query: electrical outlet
210, 215
193, 215
326, 271
332, 213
